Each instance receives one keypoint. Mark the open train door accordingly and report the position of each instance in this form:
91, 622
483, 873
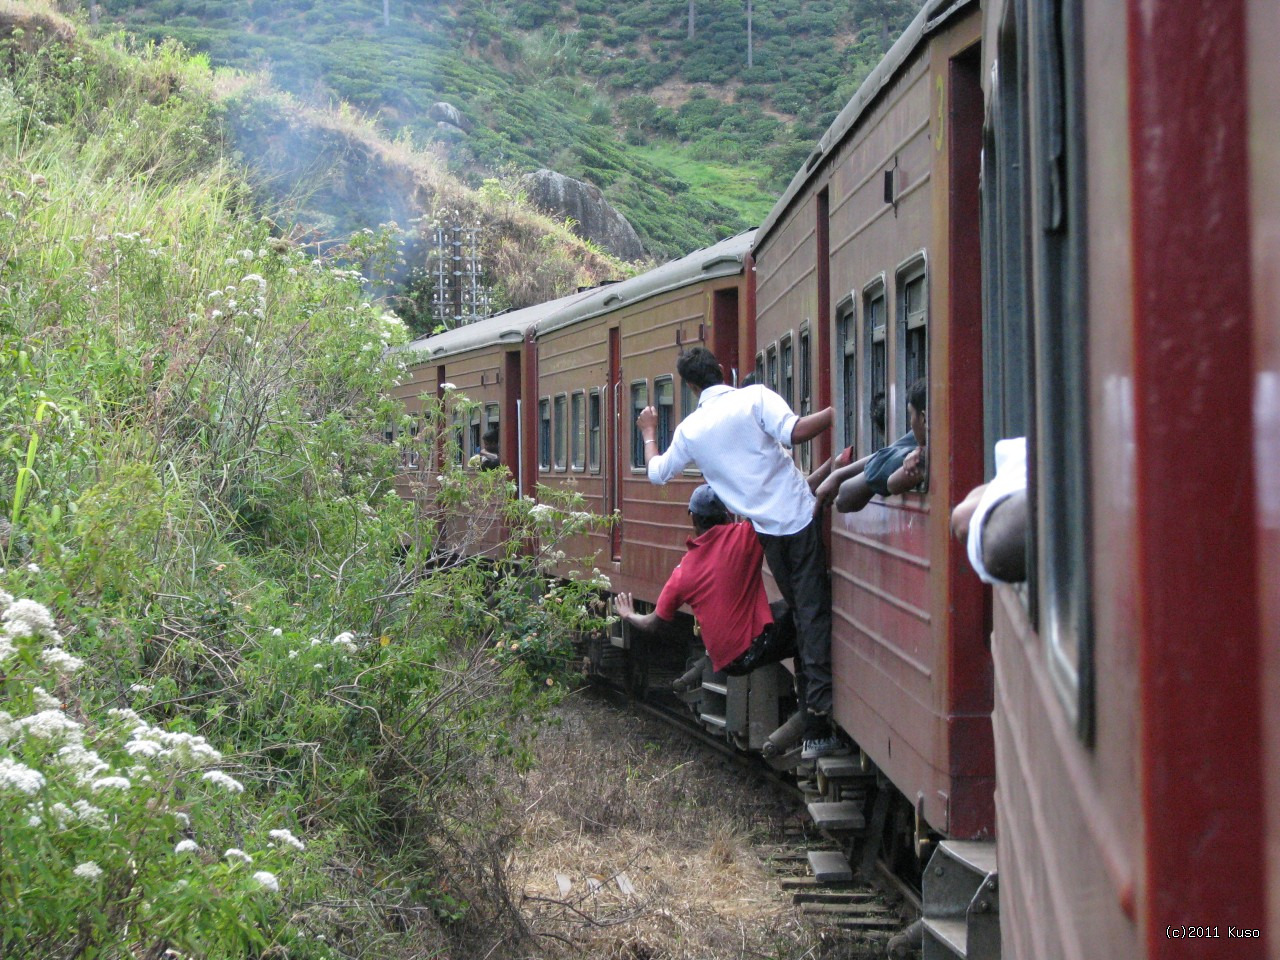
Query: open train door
724, 332
511, 432
613, 464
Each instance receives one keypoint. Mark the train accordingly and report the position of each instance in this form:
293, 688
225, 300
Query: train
1065, 215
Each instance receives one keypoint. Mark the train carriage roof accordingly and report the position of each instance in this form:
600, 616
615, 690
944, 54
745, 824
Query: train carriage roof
723, 259
930, 18
509, 327
719, 260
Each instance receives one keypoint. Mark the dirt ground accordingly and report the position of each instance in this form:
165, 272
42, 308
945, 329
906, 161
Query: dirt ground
641, 845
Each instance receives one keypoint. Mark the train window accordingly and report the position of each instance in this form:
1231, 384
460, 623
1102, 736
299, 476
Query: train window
476, 432
875, 385
1059, 572
688, 402
759, 368
787, 372
665, 396
491, 416
639, 400
577, 430
560, 426
544, 433
593, 431
913, 311
411, 451
804, 399
771, 368
846, 320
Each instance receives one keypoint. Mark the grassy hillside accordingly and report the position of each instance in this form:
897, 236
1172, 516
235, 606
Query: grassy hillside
247, 708
572, 85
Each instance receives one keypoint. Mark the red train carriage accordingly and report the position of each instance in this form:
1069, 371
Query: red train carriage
603, 359
869, 263
1130, 168
491, 364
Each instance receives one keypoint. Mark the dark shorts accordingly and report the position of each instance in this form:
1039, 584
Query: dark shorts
776, 642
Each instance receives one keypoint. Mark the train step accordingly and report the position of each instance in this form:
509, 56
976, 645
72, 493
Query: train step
840, 817
961, 903
830, 866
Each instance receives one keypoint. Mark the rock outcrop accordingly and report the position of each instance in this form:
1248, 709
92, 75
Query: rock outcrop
447, 113
595, 218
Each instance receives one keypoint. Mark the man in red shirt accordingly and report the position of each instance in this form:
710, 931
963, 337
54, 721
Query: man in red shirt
720, 579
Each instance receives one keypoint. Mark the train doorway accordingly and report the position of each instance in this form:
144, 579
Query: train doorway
613, 462
724, 332
510, 433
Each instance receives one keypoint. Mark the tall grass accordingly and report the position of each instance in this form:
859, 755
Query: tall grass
198, 491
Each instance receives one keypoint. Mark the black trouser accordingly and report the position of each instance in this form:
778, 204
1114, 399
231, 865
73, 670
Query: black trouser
776, 642
799, 565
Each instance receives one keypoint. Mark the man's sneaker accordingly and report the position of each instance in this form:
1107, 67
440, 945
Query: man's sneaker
826, 747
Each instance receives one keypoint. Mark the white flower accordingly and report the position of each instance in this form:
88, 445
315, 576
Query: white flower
286, 837
89, 813
44, 699
125, 714
26, 618
186, 846
215, 295
182, 818
345, 640
111, 783
16, 776
140, 688
143, 748
215, 315
88, 871
59, 659
293, 654
276, 631
267, 881
48, 724
75, 756
246, 255
5, 598
228, 783
448, 386
33, 568
235, 853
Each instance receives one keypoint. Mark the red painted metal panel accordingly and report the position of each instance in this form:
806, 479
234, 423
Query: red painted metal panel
1198, 668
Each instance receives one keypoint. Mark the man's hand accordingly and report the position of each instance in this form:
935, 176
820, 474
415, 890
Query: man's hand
914, 466
624, 605
825, 495
647, 422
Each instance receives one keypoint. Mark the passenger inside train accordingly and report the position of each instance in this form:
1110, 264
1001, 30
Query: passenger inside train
895, 469
992, 519
739, 438
488, 451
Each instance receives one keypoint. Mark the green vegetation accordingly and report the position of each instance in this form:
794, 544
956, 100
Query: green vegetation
569, 84
251, 704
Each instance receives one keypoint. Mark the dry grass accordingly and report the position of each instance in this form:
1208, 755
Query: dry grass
638, 845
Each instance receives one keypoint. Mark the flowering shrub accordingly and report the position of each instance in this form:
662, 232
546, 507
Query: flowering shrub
112, 827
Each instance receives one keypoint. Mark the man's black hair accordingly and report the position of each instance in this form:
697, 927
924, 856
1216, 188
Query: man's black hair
700, 368
490, 436
750, 380
918, 395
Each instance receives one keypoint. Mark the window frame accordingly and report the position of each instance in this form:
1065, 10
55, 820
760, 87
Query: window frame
846, 314
544, 432
560, 431
914, 269
595, 433
666, 428
771, 366
637, 440
577, 431
875, 290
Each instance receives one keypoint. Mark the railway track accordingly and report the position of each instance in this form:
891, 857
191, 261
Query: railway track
866, 901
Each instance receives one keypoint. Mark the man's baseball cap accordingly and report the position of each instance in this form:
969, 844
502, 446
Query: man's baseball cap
705, 503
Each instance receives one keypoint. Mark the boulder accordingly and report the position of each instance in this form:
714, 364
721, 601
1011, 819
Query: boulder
595, 218
448, 113
450, 132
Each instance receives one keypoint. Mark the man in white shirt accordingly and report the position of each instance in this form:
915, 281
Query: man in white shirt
992, 519
739, 439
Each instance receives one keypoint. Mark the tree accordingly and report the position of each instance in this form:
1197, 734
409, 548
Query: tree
749, 44
693, 13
